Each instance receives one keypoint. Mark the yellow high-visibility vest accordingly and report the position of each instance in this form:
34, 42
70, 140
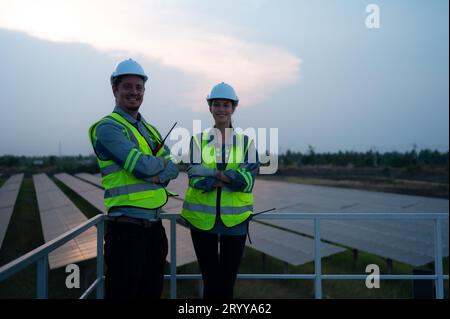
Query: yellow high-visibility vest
122, 188
199, 208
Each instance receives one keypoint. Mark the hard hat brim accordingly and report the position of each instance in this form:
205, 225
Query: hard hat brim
113, 77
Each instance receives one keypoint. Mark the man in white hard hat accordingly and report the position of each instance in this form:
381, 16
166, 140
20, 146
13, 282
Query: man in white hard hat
135, 169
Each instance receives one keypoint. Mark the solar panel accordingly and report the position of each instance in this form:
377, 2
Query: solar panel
286, 246
5, 216
90, 193
185, 248
179, 185
96, 180
59, 215
8, 195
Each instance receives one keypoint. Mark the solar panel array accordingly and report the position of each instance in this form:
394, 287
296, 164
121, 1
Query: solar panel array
286, 246
295, 250
408, 241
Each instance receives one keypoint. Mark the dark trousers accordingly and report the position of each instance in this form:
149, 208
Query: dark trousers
219, 270
135, 257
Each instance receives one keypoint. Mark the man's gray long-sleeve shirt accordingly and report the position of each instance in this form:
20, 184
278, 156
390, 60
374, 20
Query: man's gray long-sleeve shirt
113, 144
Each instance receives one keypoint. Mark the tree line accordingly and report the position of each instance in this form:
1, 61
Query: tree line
366, 159
371, 158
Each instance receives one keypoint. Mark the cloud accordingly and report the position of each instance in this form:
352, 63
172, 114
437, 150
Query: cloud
163, 32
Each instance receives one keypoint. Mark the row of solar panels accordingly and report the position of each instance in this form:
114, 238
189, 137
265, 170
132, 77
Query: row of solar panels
295, 250
58, 215
8, 195
406, 241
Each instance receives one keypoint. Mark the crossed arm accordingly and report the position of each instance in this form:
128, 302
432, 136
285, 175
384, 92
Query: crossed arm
112, 144
207, 179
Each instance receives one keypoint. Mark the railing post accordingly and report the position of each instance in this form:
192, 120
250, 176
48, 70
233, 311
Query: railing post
42, 278
317, 259
100, 260
438, 258
173, 258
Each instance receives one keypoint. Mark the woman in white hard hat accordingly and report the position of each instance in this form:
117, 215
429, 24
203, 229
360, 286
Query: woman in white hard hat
219, 201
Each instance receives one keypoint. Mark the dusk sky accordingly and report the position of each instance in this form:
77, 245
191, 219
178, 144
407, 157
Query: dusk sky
312, 69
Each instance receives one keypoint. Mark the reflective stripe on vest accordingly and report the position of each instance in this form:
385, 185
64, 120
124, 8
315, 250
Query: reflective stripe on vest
129, 189
122, 188
110, 169
199, 208
212, 209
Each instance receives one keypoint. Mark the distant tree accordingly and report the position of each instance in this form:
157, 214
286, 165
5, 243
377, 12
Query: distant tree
312, 154
9, 160
369, 158
52, 160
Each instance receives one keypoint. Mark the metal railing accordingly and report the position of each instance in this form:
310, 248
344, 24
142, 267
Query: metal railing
40, 257
40, 254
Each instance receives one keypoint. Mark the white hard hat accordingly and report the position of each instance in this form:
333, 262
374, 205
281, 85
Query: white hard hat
223, 91
128, 67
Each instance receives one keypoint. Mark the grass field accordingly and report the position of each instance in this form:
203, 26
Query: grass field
24, 234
